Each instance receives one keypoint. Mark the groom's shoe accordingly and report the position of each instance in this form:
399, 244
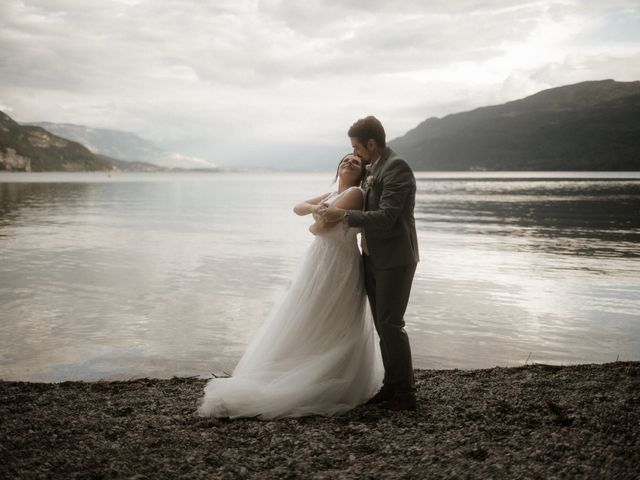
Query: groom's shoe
384, 395
401, 402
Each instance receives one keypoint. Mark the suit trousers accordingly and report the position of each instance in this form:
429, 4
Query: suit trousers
388, 292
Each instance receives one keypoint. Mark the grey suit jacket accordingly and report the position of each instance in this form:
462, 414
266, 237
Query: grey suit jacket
387, 219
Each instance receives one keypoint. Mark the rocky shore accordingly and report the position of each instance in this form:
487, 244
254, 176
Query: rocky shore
536, 421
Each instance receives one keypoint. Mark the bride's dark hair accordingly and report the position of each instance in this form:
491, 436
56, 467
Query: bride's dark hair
363, 170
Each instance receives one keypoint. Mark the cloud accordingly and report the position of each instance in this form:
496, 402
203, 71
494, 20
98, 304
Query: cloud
271, 72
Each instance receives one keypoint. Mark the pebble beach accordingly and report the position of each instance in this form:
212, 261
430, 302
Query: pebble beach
534, 421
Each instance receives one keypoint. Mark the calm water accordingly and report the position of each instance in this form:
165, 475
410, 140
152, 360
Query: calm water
171, 274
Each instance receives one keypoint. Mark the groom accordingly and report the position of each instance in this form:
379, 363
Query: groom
389, 252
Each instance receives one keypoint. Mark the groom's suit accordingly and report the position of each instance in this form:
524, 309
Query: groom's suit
390, 255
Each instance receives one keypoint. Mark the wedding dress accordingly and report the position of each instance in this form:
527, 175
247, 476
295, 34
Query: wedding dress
317, 352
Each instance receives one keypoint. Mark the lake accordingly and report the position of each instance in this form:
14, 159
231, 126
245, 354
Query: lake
131, 275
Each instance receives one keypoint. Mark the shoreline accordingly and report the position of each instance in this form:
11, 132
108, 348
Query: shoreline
533, 421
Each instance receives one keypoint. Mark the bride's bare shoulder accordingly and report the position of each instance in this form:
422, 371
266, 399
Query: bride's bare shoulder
352, 199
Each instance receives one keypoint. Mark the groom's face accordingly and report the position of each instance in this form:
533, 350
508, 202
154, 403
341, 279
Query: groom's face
361, 150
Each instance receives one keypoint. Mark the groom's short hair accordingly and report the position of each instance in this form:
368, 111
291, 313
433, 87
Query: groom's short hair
368, 128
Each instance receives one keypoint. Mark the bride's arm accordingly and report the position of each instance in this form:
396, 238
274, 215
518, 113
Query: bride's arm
309, 206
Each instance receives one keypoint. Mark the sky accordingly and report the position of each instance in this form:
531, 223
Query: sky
271, 81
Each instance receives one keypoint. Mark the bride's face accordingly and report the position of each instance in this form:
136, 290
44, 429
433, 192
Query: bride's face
350, 169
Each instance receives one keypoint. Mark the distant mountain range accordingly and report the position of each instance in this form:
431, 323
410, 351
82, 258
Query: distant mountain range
30, 148
122, 145
45, 146
587, 126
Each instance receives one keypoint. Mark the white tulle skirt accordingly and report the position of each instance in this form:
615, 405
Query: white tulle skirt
317, 352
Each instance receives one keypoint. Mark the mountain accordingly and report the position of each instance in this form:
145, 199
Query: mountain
587, 126
32, 148
35, 149
123, 145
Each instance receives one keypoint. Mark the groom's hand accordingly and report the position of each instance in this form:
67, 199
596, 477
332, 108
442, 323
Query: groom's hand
331, 214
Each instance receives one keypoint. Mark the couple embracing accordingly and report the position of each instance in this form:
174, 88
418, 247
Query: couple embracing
317, 352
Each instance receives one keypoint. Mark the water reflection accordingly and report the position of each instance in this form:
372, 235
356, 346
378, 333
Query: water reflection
574, 218
33, 198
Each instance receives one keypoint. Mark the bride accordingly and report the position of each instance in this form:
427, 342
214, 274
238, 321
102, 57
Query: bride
316, 353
